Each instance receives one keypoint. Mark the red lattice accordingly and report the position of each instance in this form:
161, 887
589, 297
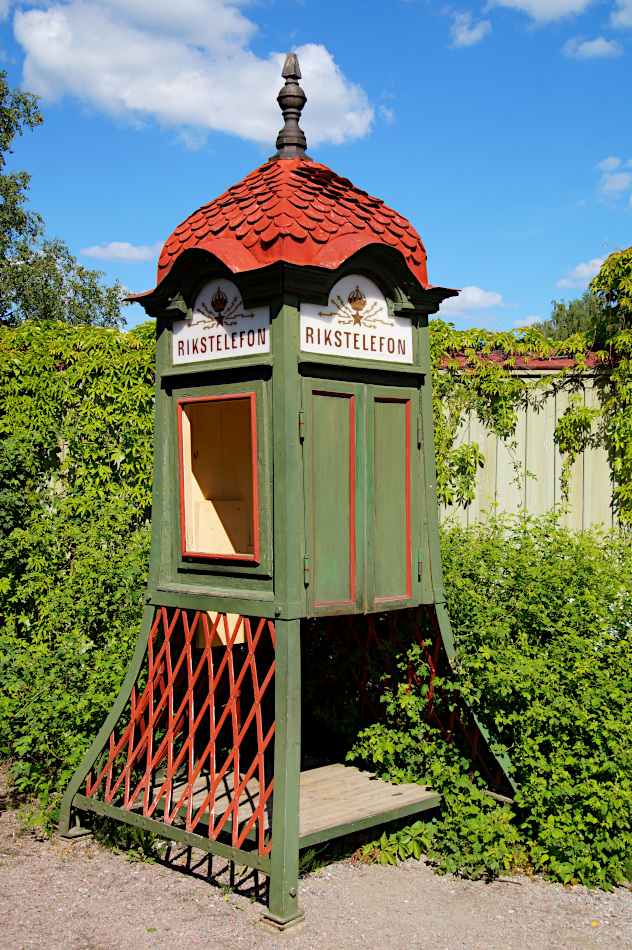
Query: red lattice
199, 736
366, 649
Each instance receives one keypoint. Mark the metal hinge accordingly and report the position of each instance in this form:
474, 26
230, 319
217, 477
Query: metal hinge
420, 432
301, 424
419, 563
306, 570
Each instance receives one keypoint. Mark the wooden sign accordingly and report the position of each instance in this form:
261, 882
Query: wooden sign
357, 324
220, 328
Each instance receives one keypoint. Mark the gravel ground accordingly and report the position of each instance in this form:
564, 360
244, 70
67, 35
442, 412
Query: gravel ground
57, 895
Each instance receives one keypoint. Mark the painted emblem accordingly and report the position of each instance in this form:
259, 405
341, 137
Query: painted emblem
357, 324
220, 327
220, 313
358, 311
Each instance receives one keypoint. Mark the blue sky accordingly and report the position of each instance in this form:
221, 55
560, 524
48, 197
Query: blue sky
502, 131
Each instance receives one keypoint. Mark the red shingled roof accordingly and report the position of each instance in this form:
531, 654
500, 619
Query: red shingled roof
554, 362
296, 211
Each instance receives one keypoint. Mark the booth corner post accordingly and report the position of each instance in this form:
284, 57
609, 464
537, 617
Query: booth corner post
295, 544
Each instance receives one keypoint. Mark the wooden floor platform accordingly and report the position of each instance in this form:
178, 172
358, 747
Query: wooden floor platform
334, 800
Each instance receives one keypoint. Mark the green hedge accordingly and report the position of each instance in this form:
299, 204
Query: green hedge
541, 618
76, 427
543, 627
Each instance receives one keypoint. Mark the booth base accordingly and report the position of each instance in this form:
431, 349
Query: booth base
335, 800
340, 799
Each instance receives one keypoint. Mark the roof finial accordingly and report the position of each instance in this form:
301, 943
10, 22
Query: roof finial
291, 142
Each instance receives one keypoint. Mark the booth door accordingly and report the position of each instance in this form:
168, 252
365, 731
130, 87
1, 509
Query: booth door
391, 474
362, 516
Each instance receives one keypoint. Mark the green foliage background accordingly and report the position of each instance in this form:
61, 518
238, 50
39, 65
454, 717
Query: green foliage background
539, 614
543, 631
76, 429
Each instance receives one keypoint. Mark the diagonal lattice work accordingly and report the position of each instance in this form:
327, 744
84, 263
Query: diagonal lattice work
195, 746
350, 661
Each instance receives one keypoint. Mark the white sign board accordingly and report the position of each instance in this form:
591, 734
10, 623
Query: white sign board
220, 328
356, 323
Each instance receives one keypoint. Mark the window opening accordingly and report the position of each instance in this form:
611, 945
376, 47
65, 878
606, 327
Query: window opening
218, 477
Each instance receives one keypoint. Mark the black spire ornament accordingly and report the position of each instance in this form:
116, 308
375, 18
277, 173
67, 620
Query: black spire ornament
291, 141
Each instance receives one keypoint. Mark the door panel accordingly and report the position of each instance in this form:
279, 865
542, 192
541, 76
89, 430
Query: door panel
391, 501
333, 497
362, 510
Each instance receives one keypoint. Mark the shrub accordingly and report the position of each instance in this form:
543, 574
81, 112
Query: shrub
544, 638
75, 488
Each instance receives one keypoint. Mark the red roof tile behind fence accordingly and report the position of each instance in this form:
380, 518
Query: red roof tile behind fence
532, 362
296, 211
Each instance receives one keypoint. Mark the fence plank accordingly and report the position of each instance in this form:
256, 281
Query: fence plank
590, 496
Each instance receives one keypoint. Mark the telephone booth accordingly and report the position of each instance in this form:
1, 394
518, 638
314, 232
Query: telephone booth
294, 522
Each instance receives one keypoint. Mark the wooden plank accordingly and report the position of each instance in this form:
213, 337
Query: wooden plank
335, 801
590, 481
331, 797
597, 490
369, 821
331, 809
364, 785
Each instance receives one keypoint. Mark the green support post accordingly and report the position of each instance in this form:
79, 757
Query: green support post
288, 546
283, 909
100, 742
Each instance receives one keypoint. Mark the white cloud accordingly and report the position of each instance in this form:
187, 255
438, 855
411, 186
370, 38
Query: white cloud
543, 11
123, 252
182, 64
608, 164
613, 183
581, 275
579, 48
526, 322
622, 16
615, 180
471, 298
464, 33
387, 114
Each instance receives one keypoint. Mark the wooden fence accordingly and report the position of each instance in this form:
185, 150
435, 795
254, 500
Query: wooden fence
504, 483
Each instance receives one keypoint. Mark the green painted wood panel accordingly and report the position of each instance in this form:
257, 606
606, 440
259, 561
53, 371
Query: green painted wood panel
333, 465
391, 498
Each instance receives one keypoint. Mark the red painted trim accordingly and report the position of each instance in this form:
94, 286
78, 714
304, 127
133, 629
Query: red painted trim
408, 594
352, 479
255, 478
352, 470
183, 527
408, 572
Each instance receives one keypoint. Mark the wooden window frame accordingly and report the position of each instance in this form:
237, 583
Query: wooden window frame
253, 558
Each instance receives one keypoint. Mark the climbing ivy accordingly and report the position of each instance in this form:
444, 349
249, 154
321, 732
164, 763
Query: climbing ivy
542, 626
76, 436
474, 373
76, 428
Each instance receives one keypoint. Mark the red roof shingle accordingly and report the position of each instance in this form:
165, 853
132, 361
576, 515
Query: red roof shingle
296, 211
